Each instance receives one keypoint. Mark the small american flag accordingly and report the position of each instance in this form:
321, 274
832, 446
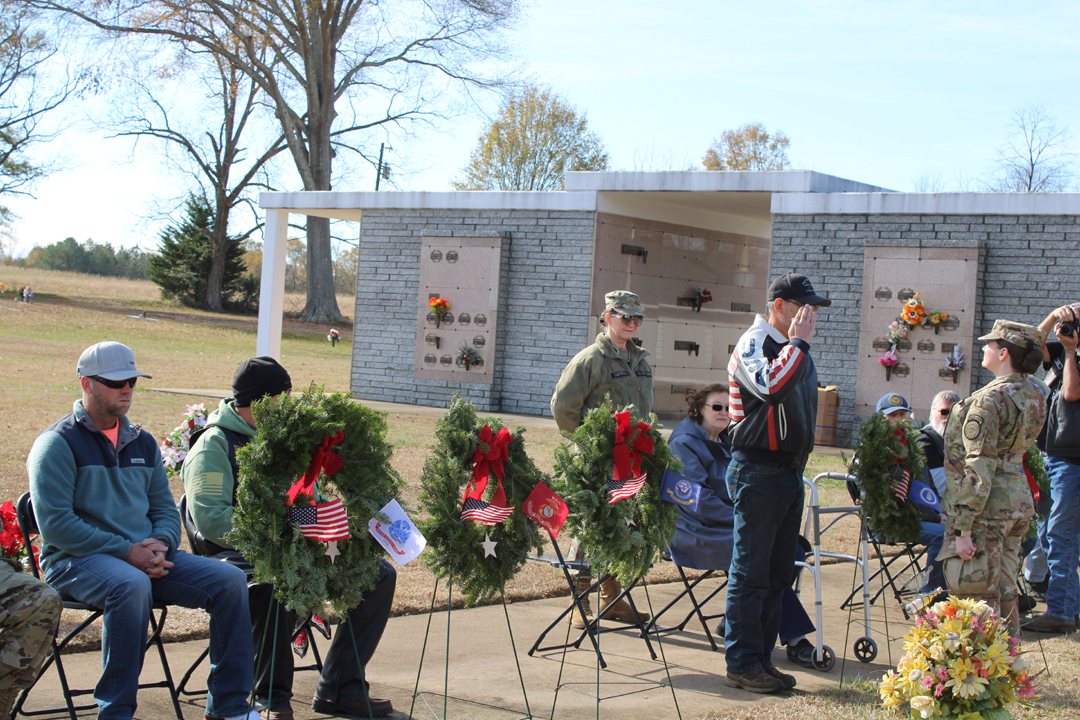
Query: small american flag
619, 490
326, 521
485, 513
900, 480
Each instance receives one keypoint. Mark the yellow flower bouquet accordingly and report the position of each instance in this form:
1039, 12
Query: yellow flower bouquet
960, 662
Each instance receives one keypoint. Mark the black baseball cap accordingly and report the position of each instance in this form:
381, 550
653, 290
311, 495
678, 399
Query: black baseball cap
796, 288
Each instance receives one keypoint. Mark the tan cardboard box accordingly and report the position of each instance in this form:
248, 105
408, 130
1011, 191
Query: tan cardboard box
828, 405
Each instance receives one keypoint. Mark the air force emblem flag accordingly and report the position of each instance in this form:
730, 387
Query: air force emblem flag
923, 494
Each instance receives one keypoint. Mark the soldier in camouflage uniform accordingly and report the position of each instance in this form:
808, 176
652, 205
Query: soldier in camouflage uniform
988, 502
29, 618
613, 365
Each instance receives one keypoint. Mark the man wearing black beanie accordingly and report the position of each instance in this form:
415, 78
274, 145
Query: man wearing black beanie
209, 472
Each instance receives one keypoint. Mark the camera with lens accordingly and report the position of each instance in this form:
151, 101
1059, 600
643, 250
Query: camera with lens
1068, 329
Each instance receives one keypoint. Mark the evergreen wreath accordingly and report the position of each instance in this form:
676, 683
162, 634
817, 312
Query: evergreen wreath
625, 537
877, 449
289, 431
1035, 465
455, 548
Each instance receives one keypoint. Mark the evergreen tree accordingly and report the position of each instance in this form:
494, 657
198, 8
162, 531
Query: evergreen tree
182, 267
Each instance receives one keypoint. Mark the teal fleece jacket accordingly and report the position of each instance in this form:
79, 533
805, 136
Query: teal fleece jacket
91, 498
208, 476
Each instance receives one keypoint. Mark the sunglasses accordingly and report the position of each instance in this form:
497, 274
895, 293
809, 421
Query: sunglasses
115, 384
631, 319
717, 407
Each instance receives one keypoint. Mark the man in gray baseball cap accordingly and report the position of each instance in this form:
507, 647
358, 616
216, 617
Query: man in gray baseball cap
111, 535
110, 361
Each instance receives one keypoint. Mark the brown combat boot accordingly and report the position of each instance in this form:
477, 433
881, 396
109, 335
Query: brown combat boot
620, 611
584, 581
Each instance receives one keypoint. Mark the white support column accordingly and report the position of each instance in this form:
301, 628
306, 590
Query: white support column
272, 291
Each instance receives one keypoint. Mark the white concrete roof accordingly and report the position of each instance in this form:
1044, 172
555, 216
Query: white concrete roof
983, 203
347, 205
786, 181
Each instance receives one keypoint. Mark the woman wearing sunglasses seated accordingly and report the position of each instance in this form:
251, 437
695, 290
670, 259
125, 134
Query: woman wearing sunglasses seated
703, 528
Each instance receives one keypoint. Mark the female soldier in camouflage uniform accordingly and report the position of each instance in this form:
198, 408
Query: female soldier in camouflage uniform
988, 502
612, 366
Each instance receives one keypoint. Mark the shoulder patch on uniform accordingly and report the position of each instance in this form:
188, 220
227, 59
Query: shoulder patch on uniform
973, 427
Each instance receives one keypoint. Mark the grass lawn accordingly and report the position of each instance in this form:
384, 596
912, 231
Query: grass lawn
40, 344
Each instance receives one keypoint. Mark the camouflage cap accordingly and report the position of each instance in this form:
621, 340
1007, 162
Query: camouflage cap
623, 301
1016, 333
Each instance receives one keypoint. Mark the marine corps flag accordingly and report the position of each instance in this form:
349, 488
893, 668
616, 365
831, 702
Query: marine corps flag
546, 509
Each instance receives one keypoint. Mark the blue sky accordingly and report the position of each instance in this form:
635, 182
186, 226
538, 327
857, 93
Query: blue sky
879, 92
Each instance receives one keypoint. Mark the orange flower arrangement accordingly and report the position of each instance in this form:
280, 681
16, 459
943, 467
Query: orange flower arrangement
914, 313
440, 307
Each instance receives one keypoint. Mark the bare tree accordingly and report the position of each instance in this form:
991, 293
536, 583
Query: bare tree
28, 92
329, 68
225, 168
928, 181
1036, 158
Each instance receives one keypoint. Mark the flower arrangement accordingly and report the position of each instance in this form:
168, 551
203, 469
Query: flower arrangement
701, 297
175, 447
936, 318
334, 337
440, 307
954, 363
468, 357
889, 360
960, 663
12, 546
914, 312
898, 331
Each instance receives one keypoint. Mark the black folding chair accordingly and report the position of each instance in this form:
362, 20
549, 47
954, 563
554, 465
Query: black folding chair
909, 559
696, 605
200, 546
592, 629
28, 524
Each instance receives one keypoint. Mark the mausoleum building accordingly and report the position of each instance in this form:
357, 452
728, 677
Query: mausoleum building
525, 273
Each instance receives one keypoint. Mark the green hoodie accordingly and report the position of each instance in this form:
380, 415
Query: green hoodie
207, 474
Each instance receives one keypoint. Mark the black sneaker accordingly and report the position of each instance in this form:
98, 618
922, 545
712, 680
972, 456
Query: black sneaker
802, 653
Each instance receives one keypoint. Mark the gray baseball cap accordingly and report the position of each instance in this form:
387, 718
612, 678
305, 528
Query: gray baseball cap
109, 360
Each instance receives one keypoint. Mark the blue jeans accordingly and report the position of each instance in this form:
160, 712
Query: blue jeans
1062, 527
933, 536
768, 507
126, 594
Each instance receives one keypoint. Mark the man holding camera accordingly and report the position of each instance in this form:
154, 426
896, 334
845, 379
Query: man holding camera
1061, 442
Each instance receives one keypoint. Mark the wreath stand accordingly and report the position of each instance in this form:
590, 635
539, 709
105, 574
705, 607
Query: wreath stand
593, 631
343, 627
446, 669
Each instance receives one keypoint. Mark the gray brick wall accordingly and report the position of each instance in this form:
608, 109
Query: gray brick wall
544, 305
1028, 261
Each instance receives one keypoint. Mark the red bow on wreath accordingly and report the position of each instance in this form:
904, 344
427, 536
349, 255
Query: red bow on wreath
899, 478
1032, 485
498, 452
322, 459
629, 446
630, 443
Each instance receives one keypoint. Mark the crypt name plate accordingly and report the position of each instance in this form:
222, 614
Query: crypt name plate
465, 272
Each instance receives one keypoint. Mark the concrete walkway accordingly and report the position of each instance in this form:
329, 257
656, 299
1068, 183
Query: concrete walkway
482, 667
